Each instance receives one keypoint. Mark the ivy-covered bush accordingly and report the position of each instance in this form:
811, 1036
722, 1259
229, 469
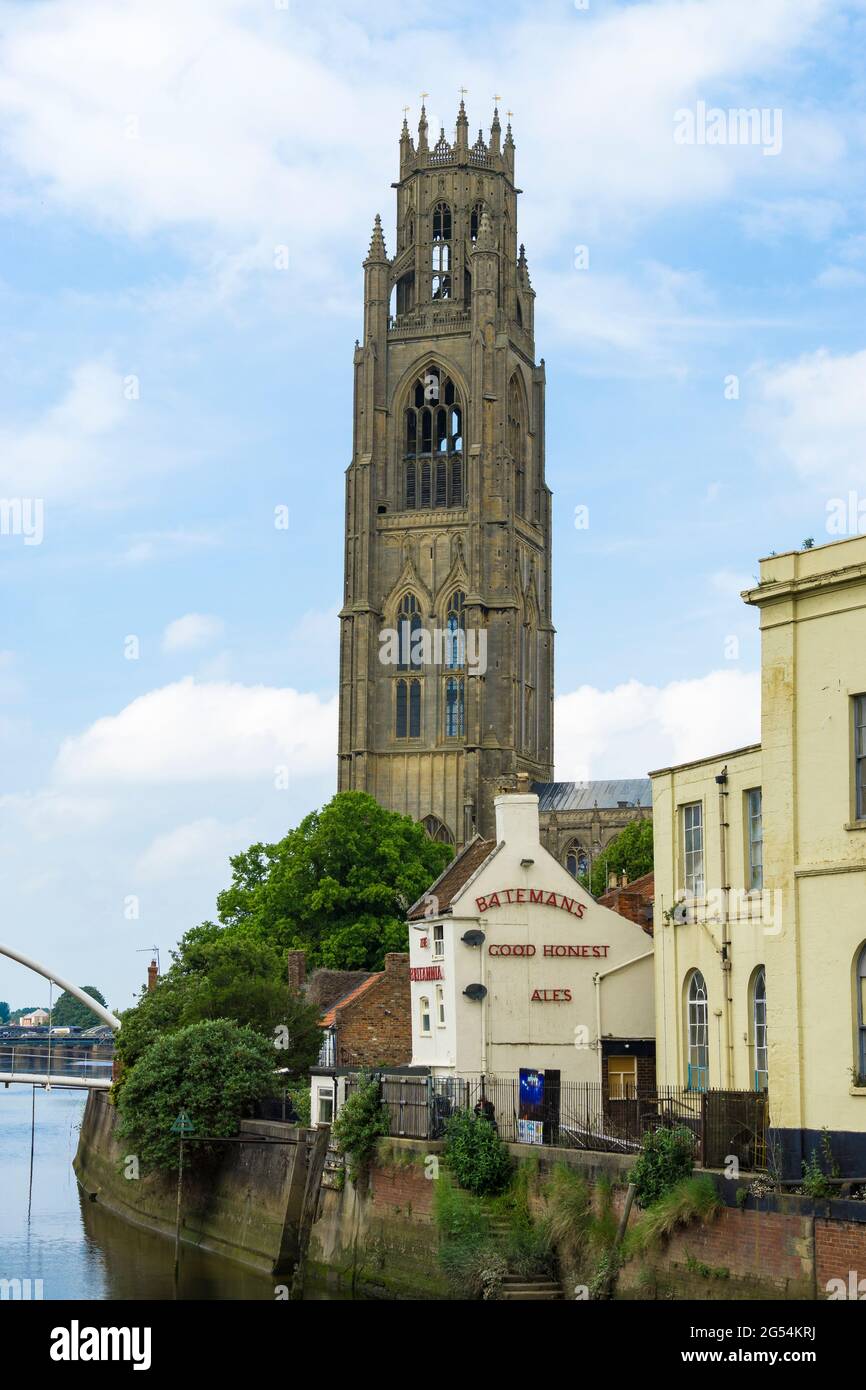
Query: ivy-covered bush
213, 1070
476, 1155
359, 1126
666, 1157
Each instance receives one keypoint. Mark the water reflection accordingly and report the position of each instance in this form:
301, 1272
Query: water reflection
76, 1247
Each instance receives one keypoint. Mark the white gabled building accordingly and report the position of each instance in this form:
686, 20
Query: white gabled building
514, 965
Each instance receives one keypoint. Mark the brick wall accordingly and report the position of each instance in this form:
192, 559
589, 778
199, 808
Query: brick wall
376, 1028
841, 1249
401, 1186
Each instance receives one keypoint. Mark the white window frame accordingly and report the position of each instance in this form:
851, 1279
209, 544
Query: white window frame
440, 1006
325, 1096
760, 1053
698, 1036
860, 757
424, 1013
694, 878
755, 838
438, 941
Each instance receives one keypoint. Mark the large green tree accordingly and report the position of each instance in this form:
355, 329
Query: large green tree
631, 853
338, 886
213, 1070
69, 1012
219, 973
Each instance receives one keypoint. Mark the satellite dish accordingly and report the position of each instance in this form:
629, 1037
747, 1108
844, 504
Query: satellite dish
475, 992
473, 938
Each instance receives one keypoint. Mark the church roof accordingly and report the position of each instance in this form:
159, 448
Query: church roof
583, 796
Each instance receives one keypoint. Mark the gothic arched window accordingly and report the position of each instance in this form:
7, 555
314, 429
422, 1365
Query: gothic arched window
576, 860
759, 1029
408, 623
407, 709
475, 221
698, 1032
455, 629
433, 442
454, 708
441, 255
517, 444
861, 1017
437, 830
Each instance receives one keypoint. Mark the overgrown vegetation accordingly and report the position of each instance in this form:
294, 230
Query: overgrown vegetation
360, 1124
818, 1170
472, 1259
691, 1200
666, 1157
213, 1070
476, 1155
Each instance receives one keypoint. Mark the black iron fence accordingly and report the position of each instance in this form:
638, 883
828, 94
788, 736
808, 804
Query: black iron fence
583, 1115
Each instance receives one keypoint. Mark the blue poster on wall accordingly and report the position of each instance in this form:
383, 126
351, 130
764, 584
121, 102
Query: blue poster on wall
531, 1099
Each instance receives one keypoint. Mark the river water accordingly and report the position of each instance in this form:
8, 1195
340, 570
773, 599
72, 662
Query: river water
76, 1247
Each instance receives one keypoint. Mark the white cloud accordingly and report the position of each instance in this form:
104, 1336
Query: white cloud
191, 631
201, 846
840, 277
238, 121
67, 450
812, 414
635, 728
204, 732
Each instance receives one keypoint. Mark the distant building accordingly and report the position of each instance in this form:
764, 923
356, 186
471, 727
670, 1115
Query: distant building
365, 1023
37, 1019
579, 819
633, 900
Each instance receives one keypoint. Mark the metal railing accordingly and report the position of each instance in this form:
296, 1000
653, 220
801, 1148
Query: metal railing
583, 1115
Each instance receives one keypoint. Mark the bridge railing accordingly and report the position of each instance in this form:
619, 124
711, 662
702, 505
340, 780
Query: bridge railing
27, 1059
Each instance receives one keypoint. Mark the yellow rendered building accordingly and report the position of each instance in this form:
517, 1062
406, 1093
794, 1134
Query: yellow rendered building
760, 876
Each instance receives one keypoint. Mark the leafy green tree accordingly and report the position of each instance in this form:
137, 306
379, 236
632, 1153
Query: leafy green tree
213, 1070
221, 973
69, 1012
4, 1011
476, 1155
338, 886
630, 853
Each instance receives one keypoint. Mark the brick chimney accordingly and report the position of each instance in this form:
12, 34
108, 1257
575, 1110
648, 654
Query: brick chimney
297, 970
397, 963
152, 976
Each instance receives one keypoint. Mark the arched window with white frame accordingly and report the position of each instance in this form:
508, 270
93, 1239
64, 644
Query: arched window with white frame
697, 1033
760, 1052
861, 1016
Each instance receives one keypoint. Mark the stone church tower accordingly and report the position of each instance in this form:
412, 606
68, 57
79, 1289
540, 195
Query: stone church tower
446, 655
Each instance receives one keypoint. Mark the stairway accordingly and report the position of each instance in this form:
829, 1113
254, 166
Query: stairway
533, 1288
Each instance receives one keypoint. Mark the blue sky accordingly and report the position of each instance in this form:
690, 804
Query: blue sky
164, 386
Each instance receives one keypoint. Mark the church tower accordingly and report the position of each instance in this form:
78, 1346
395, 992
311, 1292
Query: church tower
446, 647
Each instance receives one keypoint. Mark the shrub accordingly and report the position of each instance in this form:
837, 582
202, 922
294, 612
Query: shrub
473, 1271
666, 1157
693, 1199
476, 1155
359, 1126
570, 1211
214, 1070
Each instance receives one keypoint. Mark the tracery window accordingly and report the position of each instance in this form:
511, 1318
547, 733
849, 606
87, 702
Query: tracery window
475, 221
441, 255
433, 456
408, 623
454, 708
407, 709
759, 1029
455, 629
